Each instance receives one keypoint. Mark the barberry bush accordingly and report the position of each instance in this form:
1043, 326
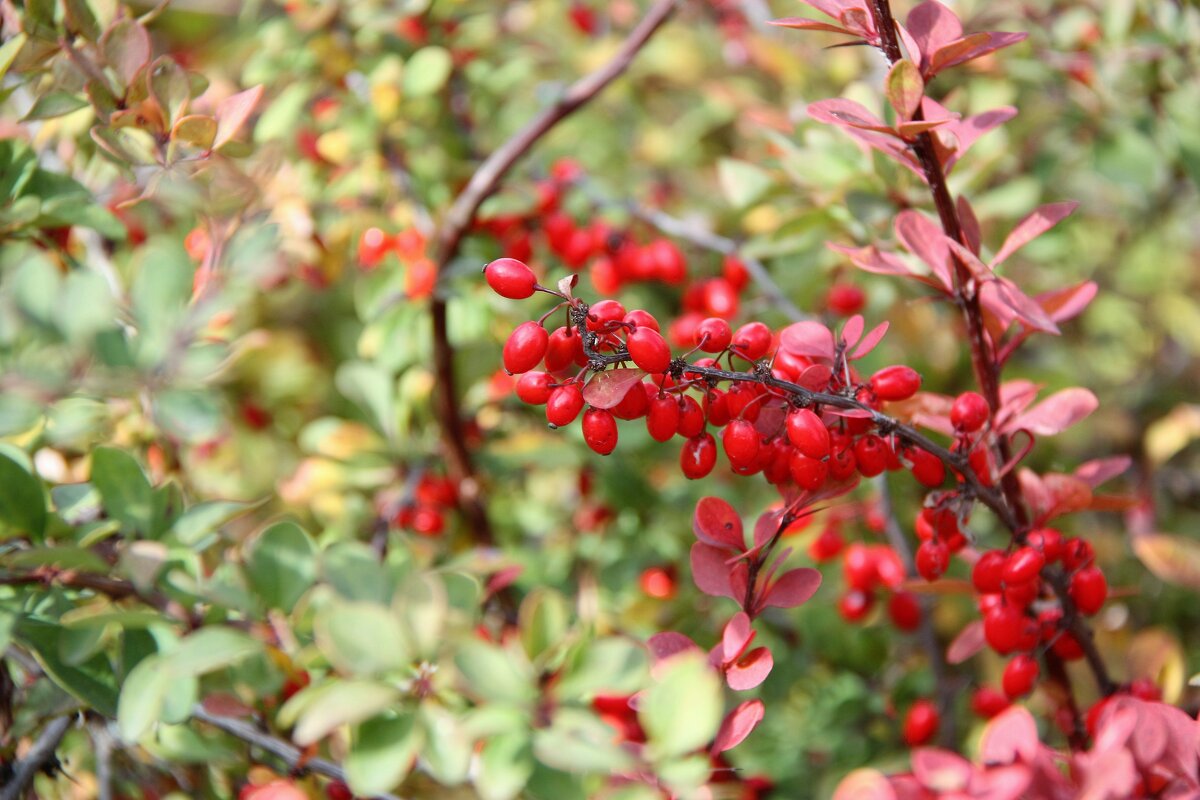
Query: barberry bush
576, 399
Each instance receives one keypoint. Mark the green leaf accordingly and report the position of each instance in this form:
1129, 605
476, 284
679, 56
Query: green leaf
209, 649
578, 741
685, 775
203, 519
505, 764
742, 183
361, 638
169, 87
282, 564
354, 572
427, 71
542, 620
682, 710
195, 129
126, 48
342, 703
448, 749
382, 751
22, 500
496, 675
142, 698
190, 416
92, 682
422, 605
614, 665
905, 88
55, 104
79, 18
8, 54
127, 495
17, 414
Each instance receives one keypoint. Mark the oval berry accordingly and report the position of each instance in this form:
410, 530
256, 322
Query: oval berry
564, 405
699, 456
899, 382
870, 456
713, 335
1077, 553
855, 604
525, 348
640, 318
969, 412
752, 341
648, 349
988, 573
921, 723
600, 430
1024, 565
741, 442
986, 702
564, 348
933, 557
826, 546
926, 467
603, 314
845, 299
1020, 674
534, 388
808, 473
808, 433
510, 278
662, 418
1089, 590
904, 611
691, 417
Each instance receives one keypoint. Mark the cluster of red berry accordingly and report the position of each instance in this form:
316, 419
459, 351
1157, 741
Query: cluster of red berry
424, 512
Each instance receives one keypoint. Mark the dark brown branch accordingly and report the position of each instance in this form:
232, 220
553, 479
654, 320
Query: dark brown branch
38, 757
458, 222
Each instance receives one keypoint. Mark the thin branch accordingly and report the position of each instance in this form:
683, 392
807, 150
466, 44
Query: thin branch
458, 221
40, 755
102, 747
114, 588
285, 751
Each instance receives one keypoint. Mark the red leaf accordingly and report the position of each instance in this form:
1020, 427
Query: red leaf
225, 704
865, 784
967, 643
1096, 472
852, 331
1057, 412
948, 771
715, 522
933, 26
232, 113
970, 48
807, 338
966, 132
710, 572
738, 725
766, 526
969, 224
1034, 225
800, 23
736, 637
1003, 298
847, 114
126, 48
1063, 304
794, 587
815, 378
609, 388
1011, 735
869, 341
925, 240
750, 670
669, 643
978, 270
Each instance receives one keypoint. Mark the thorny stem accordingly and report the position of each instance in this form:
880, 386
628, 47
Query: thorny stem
986, 366
458, 221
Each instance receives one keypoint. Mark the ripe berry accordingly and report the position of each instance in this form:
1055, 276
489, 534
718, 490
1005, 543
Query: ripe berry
899, 382
808, 473
988, 573
741, 442
845, 299
635, 402
1024, 565
564, 348
510, 278
1049, 541
600, 430
932, 559
1089, 590
641, 319
808, 433
525, 348
752, 340
658, 582
870, 455
841, 462
826, 546
691, 417
603, 314
926, 467
1007, 629
720, 299
372, 246
969, 412
534, 388
713, 335
921, 723
428, 521
1077, 553
564, 405
855, 604
662, 418
338, 791
986, 702
698, 456
735, 272
858, 567
905, 611
1019, 676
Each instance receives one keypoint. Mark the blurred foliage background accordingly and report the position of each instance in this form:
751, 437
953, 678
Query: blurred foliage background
213, 316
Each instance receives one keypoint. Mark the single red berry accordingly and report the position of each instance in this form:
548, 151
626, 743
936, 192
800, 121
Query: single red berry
691, 418
641, 319
808, 433
741, 442
905, 611
1022, 595
648, 349
1145, 689
932, 559
808, 473
841, 462
635, 403
926, 467
1024, 565
921, 723
845, 299
980, 461
667, 262
720, 299
987, 702
826, 546
1020, 674
855, 604
604, 314
600, 430
898, 382
682, 330
752, 341
858, 567
735, 272
713, 335
988, 573
1007, 629
870, 455
534, 388
372, 246
1049, 541
510, 278
699, 456
969, 412
428, 521
888, 566
564, 348
338, 791
716, 408
658, 582
564, 405
1077, 553
525, 348
662, 418
1089, 590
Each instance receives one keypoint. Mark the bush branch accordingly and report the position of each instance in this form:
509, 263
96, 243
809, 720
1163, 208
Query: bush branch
38, 757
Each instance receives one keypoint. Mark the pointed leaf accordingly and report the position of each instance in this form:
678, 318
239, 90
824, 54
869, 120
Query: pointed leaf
970, 48
1057, 412
608, 388
669, 643
904, 88
1064, 304
55, 104
126, 48
794, 587
232, 113
736, 637
342, 703
870, 341
808, 338
968, 642
738, 724
1010, 735
22, 499
933, 26
1102, 470
800, 23
847, 114
925, 240
1032, 226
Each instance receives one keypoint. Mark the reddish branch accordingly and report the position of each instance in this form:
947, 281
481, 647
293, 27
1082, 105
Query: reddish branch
457, 223
987, 367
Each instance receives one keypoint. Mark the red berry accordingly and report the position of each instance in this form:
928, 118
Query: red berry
564, 405
841, 462
658, 582
510, 278
988, 573
735, 272
845, 299
858, 567
428, 521
921, 723
826, 546
534, 388
969, 412
662, 418
691, 417
1024, 565
600, 430
808, 433
525, 348
603, 314
1019, 676
1089, 590
741, 442
808, 473
855, 604
641, 319
667, 262
699, 456
926, 467
1077, 553
895, 383
1049, 541
720, 299
716, 408
932, 559
752, 341
986, 702
564, 348
1007, 629
372, 246
904, 611
870, 455
713, 335
635, 403
338, 791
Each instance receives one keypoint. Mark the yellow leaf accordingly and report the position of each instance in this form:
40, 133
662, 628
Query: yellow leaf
1173, 559
1157, 655
1170, 434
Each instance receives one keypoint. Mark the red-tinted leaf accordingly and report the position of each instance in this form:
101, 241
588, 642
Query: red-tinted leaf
1057, 412
859, 22
967, 643
970, 48
738, 725
1009, 303
865, 784
933, 26
807, 338
925, 240
715, 522
904, 88
800, 23
910, 130
815, 378
739, 580
669, 643
1064, 304
1011, 735
966, 132
750, 670
766, 526
1054, 494
969, 224
1003, 783
1034, 225
609, 388
979, 271
852, 330
1101, 470
225, 704
794, 587
565, 285
870, 341
126, 48
736, 637
1016, 396
832, 8
232, 113
710, 572
847, 113
947, 771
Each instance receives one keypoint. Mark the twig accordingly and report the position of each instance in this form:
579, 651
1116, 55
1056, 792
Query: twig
458, 221
24, 771
102, 747
115, 588
288, 753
